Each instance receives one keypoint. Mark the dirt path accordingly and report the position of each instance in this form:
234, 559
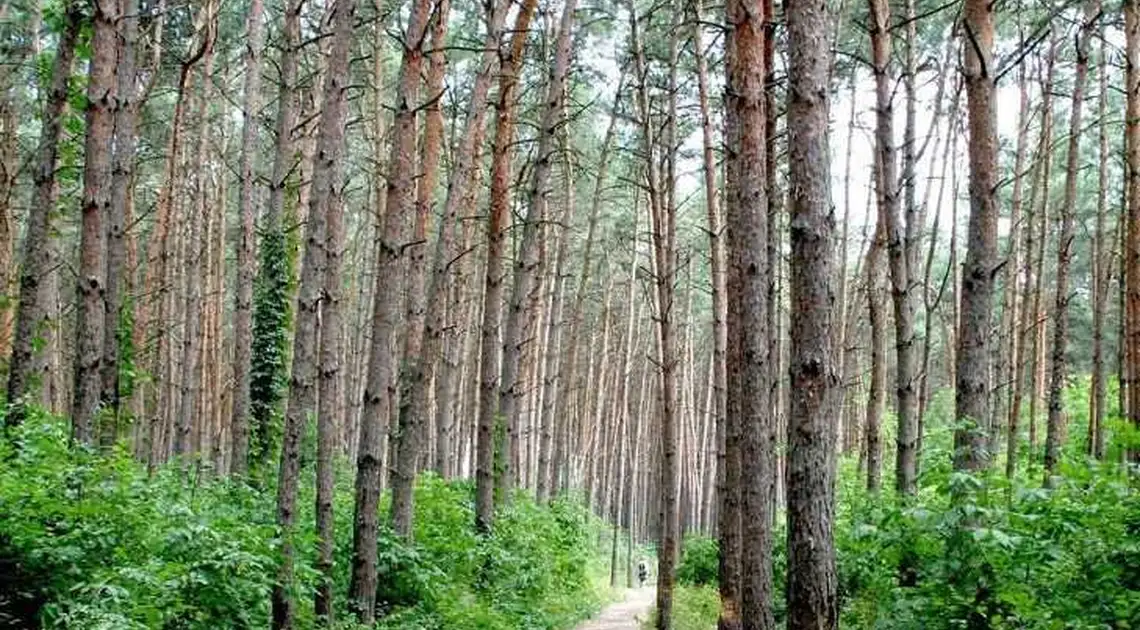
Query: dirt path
627, 614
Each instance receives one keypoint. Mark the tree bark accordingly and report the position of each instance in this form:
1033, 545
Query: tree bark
328, 171
379, 395
243, 295
973, 358
28, 367
748, 377
1054, 429
812, 580
90, 320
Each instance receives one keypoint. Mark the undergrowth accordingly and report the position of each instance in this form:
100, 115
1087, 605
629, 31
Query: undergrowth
92, 541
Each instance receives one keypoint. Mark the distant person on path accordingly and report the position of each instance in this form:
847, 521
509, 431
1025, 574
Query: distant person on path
642, 573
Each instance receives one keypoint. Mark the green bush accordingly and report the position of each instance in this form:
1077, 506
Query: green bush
700, 562
90, 540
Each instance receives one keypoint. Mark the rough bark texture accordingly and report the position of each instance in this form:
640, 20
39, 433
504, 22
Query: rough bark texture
1132, 240
812, 581
746, 214
95, 209
528, 265
379, 393
1055, 429
899, 247
973, 356
28, 368
491, 435
419, 357
328, 171
243, 296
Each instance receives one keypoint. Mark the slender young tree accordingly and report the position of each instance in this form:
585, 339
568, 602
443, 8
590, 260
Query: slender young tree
1054, 429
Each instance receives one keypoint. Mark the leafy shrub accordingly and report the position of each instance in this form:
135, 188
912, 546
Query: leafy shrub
90, 540
699, 564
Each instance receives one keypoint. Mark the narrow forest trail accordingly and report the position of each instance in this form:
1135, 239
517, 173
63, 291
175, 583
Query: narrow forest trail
627, 614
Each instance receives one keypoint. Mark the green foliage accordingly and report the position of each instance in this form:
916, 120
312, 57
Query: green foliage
533, 571
700, 562
101, 545
90, 540
269, 367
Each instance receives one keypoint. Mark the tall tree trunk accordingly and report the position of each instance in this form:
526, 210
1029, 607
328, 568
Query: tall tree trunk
1132, 170
900, 244
89, 322
28, 367
748, 377
1054, 430
1102, 266
812, 581
187, 420
419, 357
728, 488
379, 395
876, 398
125, 117
1009, 354
491, 435
243, 295
328, 171
1031, 270
973, 357
528, 265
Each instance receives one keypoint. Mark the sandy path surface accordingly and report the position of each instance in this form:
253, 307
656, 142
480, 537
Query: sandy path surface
627, 614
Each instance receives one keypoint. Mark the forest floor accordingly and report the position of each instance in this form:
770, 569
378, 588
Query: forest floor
628, 614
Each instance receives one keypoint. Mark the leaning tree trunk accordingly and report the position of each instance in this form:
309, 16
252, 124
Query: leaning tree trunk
328, 171
1054, 429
